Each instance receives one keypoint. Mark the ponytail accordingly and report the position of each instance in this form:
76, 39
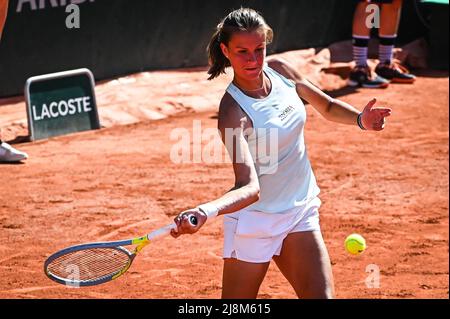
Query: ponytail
217, 60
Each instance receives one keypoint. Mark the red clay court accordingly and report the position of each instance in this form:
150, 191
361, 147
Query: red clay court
119, 182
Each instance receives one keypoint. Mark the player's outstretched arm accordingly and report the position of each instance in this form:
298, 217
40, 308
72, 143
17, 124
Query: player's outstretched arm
334, 110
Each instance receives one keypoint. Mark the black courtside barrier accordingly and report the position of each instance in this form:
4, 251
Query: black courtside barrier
118, 37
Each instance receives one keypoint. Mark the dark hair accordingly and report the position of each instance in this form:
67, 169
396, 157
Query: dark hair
243, 19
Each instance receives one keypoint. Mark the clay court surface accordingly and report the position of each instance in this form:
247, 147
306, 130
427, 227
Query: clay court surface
119, 182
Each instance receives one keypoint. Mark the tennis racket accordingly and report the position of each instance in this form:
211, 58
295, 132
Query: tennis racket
96, 263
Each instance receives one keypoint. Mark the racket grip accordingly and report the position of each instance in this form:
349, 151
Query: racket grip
166, 229
162, 231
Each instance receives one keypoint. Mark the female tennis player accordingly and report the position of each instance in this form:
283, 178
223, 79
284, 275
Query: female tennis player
272, 211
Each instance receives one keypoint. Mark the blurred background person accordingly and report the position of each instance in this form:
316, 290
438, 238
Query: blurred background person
7, 152
387, 70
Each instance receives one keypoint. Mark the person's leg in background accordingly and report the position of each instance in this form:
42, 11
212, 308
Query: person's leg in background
360, 35
361, 75
389, 22
7, 152
3, 12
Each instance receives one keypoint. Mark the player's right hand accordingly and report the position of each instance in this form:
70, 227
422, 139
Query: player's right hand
374, 118
188, 222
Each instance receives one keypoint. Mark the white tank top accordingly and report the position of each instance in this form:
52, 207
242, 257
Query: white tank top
277, 145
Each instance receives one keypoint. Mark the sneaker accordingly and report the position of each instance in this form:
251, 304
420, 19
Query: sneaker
394, 72
10, 154
362, 76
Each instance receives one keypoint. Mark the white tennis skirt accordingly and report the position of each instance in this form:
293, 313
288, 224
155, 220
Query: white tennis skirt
256, 237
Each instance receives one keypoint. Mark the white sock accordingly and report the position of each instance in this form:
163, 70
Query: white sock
386, 48
360, 50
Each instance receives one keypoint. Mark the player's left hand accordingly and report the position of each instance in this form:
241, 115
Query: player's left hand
374, 118
188, 222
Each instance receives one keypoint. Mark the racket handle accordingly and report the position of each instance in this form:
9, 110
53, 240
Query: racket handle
166, 229
162, 231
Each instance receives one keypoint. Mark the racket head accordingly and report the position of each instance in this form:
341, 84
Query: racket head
89, 264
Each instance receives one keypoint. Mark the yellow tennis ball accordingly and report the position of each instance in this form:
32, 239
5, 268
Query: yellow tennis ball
355, 244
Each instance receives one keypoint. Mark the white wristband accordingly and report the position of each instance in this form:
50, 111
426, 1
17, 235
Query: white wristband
209, 209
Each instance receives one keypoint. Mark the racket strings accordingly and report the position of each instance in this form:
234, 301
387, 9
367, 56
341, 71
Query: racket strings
89, 264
